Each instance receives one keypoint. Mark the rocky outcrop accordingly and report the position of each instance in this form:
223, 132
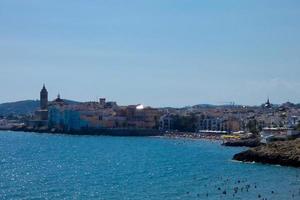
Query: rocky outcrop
286, 153
253, 142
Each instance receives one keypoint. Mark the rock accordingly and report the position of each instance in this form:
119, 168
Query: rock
243, 143
285, 153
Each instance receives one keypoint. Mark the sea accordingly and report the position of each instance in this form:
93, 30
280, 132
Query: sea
48, 166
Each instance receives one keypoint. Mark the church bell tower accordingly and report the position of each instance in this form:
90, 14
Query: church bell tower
44, 99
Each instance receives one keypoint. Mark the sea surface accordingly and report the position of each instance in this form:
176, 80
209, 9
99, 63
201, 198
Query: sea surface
45, 166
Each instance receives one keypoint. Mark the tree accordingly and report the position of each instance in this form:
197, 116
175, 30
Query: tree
252, 126
298, 127
185, 123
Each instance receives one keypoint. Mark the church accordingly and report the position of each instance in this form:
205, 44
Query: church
41, 115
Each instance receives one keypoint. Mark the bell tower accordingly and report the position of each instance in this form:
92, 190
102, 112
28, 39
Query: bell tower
44, 98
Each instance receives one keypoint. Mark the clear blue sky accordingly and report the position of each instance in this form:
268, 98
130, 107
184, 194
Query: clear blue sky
155, 52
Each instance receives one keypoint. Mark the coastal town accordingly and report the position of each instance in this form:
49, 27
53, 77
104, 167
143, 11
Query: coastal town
258, 127
230, 122
150, 100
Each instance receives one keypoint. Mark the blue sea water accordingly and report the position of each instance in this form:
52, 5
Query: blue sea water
45, 166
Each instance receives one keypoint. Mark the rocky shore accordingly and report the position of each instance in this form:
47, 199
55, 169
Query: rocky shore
252, 142
286, 153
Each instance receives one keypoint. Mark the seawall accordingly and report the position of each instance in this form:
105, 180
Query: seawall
102, 131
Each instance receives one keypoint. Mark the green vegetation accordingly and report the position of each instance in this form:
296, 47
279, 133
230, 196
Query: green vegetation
27, 107
19, 108
298, 127
185, 123
253, 127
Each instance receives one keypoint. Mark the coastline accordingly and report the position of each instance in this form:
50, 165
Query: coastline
122, 132
94, 132
193, 136
128, 132
284, 153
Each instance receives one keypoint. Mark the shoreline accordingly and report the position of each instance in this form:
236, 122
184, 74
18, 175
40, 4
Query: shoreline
124, 132
93, 132
193, 136
275, 153
284, 153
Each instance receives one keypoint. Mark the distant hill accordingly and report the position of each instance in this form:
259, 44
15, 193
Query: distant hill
19, 108
205, 106
26, 107
199, 106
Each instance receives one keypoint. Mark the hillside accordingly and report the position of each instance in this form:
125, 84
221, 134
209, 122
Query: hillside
25, 107
19, 108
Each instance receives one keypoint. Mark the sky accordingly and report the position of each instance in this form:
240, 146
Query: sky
154, 52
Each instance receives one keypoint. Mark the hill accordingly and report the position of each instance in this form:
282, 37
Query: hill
19, 108
25, 107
